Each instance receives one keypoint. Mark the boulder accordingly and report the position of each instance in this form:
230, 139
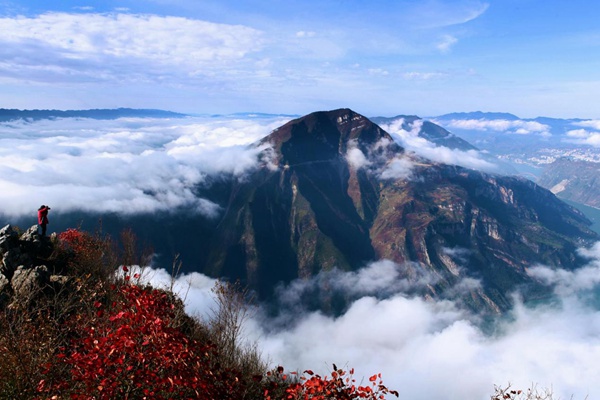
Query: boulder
8, 238
30, 235
11, 260
28, 282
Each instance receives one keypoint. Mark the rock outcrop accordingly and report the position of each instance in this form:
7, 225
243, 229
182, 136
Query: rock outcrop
23, 267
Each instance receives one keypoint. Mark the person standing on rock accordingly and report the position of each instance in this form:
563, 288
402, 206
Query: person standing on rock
43, 218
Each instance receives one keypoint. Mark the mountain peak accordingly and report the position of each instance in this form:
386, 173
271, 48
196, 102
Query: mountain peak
327, 134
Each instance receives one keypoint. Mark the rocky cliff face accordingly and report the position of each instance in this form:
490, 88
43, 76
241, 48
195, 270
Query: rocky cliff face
573, 180
335, 191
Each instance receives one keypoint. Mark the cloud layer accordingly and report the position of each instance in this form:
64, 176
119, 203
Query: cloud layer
518, 127
147, 165
222, 56
589, 136
434, 349
109, 47
125, 165
411, 141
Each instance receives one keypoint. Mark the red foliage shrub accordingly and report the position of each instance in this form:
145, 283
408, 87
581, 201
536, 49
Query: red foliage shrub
340, 386
73, 239
134, 351
87, 253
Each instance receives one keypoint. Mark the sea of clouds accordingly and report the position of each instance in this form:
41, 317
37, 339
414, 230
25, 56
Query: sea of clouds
430, 349
424, 349
144, 165
124, 165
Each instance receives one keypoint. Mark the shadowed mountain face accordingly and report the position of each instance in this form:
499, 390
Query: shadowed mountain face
335, 191
309, 210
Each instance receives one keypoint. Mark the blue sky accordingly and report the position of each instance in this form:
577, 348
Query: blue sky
527, 57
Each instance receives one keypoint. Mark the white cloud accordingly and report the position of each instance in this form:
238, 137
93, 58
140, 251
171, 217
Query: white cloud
567, 282
520, 127
437, 14
578, 133
377, 161
432, 349
127, 47
592, 253
424, 76
409, 138
379, 279
446, 43
302, 34
583, 137
571, 282
378, 71
458, 252
194, 289
125, 165
355, 157
592, 123
375, 278
398, 168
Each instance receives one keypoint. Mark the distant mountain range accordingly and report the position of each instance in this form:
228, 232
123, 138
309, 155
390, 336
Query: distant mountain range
559, 154
13, 114
477, 115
